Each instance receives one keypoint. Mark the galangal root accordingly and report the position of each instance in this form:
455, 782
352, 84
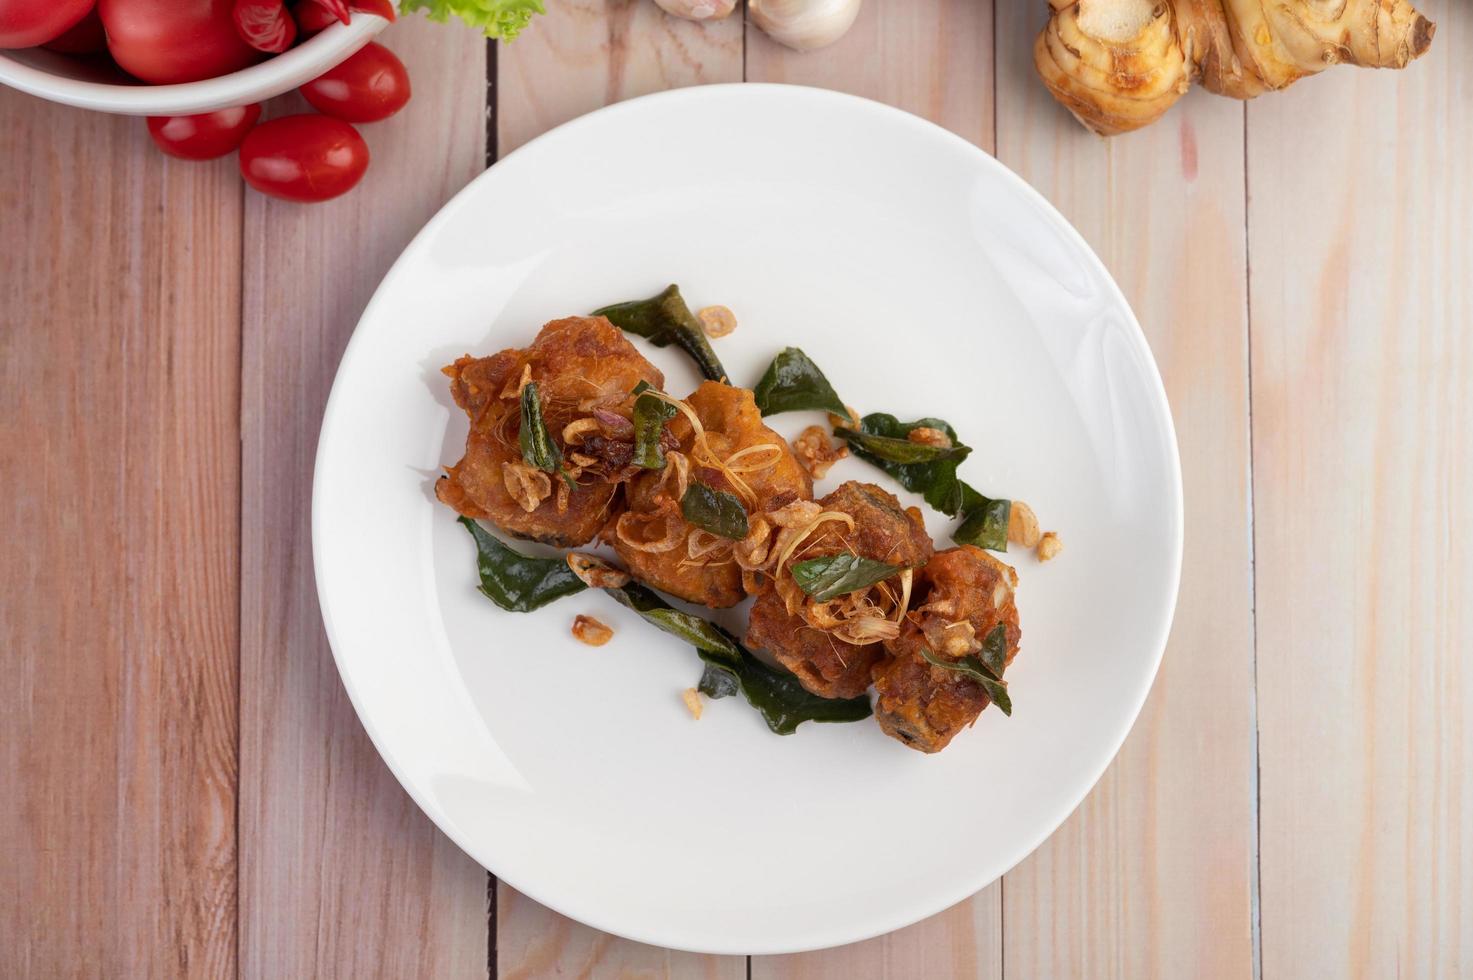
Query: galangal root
1117, 65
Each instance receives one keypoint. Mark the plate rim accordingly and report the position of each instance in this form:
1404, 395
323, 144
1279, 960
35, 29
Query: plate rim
1159, 636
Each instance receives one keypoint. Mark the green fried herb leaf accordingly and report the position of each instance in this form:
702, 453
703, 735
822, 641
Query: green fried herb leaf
877, 440
793, 383
782, 701
518, 582
993, 684
835, 575
664, 319
717, 683
714, 510
700, 633
995, 650
650, 416
901, 451
538, 449
984, 520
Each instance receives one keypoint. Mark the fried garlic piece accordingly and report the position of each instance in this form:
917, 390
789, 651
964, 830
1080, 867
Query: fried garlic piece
591, 631
817, 452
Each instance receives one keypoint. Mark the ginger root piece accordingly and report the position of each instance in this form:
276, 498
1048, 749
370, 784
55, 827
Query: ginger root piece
1118, 65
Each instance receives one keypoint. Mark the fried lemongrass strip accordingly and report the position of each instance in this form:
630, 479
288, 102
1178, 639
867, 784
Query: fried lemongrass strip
864, 630
854, 618
807, 530
701, 546
677, 470
630, 523
774, 454
907, 577
701, 445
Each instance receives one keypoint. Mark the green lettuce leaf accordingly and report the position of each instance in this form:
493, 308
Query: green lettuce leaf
501, 19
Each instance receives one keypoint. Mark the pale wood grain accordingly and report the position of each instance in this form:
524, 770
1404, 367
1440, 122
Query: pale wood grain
1153, 876
535, 942
119, 347
341, 874
1362, 312
933, 59
582, 55
965, 941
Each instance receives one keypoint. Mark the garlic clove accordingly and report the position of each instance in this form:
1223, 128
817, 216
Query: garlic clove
698, 9
804, 24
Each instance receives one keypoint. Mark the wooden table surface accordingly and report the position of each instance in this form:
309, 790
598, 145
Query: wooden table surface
185, 790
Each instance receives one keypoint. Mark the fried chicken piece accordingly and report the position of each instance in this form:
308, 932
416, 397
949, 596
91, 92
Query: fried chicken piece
652, 537
783, 619
962, 595
584, 369
823, 664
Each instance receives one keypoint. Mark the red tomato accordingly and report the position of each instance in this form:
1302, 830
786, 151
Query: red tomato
205, 136
27, 23
369, 86
165, 41
303, 158
265, 25
312, 17
382, 8
86, 37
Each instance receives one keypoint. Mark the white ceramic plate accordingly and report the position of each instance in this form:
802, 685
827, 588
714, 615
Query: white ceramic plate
926, 279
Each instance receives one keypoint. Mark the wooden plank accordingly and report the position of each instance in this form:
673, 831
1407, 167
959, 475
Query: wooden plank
1154, 874
581, 55
534, 942
119, 471
1362, 312
933, 59
584, 54
341, 875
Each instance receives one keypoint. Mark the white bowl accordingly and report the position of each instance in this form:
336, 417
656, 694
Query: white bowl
90, 85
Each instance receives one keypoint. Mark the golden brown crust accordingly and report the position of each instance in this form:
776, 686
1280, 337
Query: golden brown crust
732, 423
962, 594
823, 663
827, 666
581, 365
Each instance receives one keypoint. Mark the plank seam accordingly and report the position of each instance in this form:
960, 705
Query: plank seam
493, 143
1256, 898
240, 478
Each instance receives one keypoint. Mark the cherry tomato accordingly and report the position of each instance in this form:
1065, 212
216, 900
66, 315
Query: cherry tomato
312, 17
369, 86
265, 25
303, 158
26, 23
85, 37
165, 41
205, 136
382, 8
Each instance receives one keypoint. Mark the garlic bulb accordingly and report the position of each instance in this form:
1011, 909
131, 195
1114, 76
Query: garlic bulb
698, 9
804, 24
